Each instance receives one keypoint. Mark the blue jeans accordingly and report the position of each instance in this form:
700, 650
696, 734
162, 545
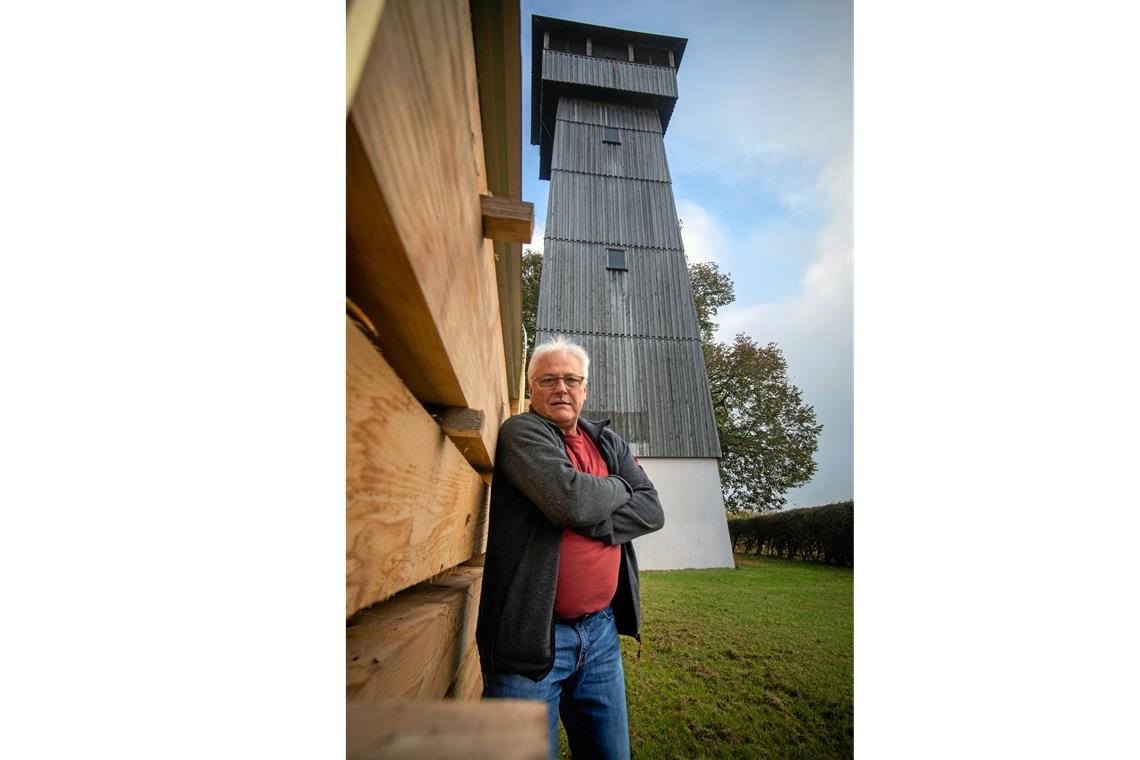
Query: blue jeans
586, 686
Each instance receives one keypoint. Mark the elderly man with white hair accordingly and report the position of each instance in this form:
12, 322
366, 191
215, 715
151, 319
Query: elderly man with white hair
560, 581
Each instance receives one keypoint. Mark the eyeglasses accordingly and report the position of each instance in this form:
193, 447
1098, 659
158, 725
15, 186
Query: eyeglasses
549, 381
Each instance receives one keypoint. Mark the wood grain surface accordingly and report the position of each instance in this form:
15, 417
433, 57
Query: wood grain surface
503, 729
418, 263
415, 507
414, 645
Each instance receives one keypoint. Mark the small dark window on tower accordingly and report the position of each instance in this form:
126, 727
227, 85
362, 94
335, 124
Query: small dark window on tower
615, 258
611, 135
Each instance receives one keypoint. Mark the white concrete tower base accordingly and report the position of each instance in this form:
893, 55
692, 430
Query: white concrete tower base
696, 529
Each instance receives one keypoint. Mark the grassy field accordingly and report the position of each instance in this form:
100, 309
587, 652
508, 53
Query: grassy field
752, 662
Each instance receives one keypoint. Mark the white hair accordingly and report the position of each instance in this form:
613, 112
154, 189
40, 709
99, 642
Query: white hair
560, 345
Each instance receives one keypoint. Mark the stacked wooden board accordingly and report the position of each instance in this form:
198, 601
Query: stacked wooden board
432, 239
505, 729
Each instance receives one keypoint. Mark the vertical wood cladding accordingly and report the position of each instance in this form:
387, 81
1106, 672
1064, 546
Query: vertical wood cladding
608, 115
630, 302
601, 72
614, 210
579, 148
647, 371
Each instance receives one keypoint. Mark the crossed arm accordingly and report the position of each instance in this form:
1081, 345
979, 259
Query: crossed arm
640, 515
614, 509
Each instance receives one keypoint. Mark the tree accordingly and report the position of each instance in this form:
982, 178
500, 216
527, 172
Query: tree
531, 277
711, 290
768, 436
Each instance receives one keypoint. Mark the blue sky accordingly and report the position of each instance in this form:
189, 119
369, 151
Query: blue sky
760, 151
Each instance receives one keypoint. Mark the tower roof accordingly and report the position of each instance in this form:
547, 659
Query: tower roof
542, 107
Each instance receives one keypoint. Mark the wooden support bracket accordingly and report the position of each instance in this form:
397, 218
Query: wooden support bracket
506, 219
457, 422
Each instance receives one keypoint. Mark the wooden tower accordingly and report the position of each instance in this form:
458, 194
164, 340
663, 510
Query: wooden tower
614, 274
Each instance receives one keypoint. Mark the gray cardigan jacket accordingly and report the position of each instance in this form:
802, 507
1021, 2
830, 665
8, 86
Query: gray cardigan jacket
535, 493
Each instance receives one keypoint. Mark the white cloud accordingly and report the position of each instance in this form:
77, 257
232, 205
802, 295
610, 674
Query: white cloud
537, 240
768, 107
814, 330
703, 234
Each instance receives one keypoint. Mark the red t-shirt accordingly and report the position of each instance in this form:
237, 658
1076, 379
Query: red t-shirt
588, 569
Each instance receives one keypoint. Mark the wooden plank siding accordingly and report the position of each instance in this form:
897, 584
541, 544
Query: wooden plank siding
414, 646
622, 76
631, 302
647, 372
579, 148
434, 227
500, 729
418, 264
468, 684
498, 60
581, 111
415, 506
614, 210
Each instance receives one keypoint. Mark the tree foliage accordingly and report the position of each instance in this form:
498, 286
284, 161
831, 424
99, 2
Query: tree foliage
711, 290
531, 277
817, 534
768, 435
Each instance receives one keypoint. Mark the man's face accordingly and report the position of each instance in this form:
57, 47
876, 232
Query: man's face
560, 405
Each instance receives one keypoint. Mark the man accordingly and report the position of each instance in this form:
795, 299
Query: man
560, 580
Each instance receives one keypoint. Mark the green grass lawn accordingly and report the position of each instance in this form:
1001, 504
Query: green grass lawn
752, 662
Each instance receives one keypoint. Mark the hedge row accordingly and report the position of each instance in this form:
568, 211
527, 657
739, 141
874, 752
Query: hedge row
818, 534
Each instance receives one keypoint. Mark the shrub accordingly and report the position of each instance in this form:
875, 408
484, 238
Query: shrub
816, 534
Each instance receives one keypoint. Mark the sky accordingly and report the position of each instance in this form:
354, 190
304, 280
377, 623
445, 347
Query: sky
760, 152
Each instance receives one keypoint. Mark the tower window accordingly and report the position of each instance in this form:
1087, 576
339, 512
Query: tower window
615, 258
611, 135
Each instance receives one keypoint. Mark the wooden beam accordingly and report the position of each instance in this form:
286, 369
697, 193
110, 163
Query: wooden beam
499, 729
466, 580
413, 646
395, 650
361, 20
507, 219
456, 422
468, 684
415, 506
465, 428
498, 61
417, 261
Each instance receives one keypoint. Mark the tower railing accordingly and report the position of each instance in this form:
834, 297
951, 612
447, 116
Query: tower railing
640, 78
